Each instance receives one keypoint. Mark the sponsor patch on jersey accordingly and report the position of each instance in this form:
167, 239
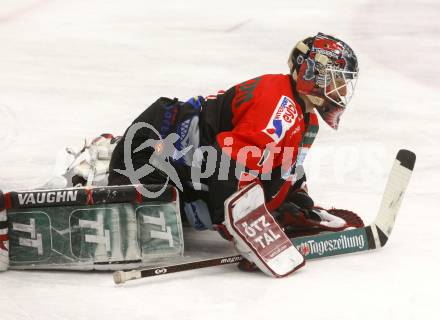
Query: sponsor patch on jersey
282, 119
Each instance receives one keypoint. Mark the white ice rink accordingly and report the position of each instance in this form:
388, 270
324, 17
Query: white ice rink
75, 69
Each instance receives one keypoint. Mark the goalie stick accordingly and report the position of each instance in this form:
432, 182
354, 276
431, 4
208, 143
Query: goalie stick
371, 237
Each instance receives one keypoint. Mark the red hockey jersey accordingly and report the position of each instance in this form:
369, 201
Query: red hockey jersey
262, 122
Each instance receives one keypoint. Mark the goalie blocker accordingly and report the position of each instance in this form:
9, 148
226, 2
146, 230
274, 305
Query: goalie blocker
257, 236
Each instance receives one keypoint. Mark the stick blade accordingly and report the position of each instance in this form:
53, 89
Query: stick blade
393, 195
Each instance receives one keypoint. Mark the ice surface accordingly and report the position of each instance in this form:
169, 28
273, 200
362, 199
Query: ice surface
75, 69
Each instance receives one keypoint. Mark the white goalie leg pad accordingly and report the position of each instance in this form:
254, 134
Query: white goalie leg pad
257, 236
4, 247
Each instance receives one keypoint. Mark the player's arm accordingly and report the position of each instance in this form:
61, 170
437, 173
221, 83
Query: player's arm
240, 214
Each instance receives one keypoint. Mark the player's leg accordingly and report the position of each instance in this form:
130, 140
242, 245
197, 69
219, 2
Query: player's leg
157, 117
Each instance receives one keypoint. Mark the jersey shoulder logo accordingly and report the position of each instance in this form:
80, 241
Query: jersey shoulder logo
282, 119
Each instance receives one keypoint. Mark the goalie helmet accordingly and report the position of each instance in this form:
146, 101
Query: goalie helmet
325, 70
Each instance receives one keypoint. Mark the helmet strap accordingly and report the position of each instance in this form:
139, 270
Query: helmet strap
304, 49
301, 46
294, 75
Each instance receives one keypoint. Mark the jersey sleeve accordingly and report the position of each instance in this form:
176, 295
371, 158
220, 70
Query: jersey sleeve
267, 126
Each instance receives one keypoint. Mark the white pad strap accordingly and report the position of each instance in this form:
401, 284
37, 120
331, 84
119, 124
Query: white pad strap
93, 162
